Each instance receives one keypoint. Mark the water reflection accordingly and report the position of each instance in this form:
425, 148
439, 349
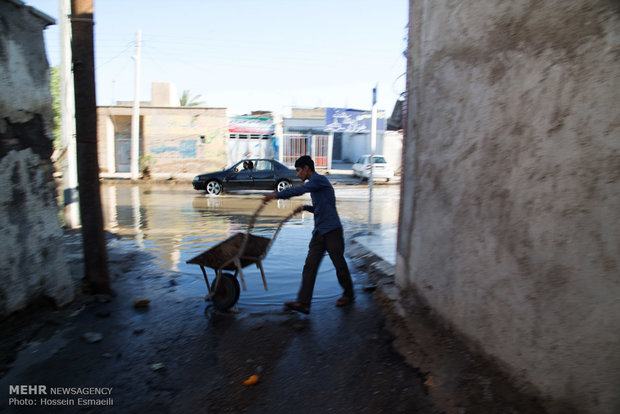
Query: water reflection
175, 223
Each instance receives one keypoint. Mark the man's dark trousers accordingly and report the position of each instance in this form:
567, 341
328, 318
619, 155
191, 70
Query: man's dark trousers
333, 243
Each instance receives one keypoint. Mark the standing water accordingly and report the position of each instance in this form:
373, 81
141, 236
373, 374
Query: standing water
174, 223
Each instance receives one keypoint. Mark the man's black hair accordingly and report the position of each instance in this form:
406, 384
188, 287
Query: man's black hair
303, 161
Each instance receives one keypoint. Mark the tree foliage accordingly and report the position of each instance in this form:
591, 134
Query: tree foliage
55, 91
188, 100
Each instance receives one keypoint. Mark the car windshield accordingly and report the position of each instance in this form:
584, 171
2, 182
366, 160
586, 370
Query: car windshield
379, 160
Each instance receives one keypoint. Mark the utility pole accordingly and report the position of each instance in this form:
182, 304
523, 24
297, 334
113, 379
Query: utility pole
93, 239
135, 117
67, 120
373, 143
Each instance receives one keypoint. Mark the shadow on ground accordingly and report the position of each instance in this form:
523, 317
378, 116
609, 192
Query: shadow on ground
179, 355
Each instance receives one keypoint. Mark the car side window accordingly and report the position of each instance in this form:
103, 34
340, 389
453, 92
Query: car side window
263, 165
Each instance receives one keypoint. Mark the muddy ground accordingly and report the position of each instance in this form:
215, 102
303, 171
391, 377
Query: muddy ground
179, 355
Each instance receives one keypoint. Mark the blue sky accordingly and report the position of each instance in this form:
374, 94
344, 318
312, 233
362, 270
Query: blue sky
249, 54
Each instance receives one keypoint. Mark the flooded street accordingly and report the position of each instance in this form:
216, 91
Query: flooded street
179, 354
175, 223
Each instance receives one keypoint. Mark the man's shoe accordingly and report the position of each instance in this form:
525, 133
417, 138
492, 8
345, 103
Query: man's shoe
296, 306
345, 301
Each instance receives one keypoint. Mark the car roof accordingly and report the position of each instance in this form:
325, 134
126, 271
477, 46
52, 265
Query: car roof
276, 162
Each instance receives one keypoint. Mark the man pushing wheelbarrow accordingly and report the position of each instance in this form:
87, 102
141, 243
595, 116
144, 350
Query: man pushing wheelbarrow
326, 236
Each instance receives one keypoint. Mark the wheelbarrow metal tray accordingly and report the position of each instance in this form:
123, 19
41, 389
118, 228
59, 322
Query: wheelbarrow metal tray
227, 250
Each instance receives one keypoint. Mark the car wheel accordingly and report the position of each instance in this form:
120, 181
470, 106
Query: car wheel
213, 187
227, 293
282, 185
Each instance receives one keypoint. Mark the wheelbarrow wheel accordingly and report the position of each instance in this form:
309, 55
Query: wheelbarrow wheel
227, 293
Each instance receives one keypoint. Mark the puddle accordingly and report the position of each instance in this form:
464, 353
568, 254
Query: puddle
174, 224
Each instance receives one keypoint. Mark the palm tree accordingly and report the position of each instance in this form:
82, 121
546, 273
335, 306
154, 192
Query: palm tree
186, 100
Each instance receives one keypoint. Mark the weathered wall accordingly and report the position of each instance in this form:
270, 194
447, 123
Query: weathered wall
510, 219
32, 260
190, 141
181, 140
393, 149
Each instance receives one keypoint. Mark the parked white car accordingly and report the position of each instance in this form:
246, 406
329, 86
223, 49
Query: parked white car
381, 168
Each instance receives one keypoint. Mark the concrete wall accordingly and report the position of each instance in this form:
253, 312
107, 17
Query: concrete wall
354, 145
393, 149
510, 218
309, 113
164, 94
32, 261
303, 125
183, 141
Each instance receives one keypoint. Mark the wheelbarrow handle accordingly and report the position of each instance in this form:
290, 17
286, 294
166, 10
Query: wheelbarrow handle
252, 223
255, 216
246, 235
273, 239
284, 220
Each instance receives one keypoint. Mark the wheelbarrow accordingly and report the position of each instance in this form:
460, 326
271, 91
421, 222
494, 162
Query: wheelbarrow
235, 253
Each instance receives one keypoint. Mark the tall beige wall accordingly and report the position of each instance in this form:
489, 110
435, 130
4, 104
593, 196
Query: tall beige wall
510, 221
164, 94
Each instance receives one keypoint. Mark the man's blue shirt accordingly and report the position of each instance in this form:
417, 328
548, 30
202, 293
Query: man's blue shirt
323, 202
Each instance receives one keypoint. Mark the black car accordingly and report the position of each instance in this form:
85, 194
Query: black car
249, 174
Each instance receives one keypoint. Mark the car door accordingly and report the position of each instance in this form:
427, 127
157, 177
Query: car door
264, 175
240, 178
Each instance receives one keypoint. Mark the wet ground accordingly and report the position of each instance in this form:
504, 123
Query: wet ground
175, 223
179, 354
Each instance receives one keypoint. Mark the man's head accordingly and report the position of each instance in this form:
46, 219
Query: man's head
304, 167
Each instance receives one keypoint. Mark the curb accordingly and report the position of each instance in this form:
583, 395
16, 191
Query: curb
378, 270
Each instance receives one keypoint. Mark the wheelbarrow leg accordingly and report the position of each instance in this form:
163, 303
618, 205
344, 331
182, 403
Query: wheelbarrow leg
237, 273
216, 284
238, 264
259, 264
204, 273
